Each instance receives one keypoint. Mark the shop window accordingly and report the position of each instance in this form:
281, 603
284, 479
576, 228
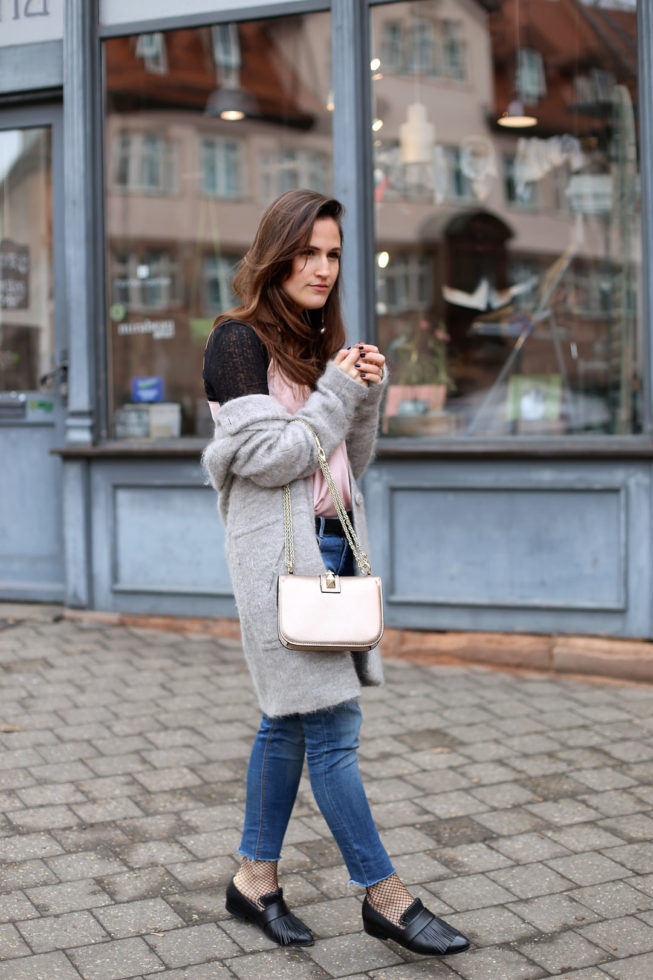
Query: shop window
508, 258
145, 164
222, 167
193, 153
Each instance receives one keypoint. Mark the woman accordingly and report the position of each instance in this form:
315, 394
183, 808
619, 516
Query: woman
279, 354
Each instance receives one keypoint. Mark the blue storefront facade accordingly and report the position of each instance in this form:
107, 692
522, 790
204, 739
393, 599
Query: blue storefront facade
495, 162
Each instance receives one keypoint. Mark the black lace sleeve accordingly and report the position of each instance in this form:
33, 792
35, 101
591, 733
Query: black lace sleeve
235, 363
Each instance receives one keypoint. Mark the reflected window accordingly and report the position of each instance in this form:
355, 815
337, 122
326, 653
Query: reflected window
194, 152
145, 163
286, 169
222, 167
27, 342
508, 249
152, 49
423, 43
531, 81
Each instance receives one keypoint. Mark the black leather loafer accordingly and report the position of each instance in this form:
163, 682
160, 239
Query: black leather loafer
422, 931
275, 919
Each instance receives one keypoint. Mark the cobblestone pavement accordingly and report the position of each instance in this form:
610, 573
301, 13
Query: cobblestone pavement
516, 806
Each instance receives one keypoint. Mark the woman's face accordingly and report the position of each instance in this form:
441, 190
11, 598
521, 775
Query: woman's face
315, 269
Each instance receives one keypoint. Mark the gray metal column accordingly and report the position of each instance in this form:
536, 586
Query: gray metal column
645, 101
83, 197
352, 164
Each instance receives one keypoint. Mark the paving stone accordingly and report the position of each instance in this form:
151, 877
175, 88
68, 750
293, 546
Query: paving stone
636, 857
613, 899
137, 918
69, 897
565, 951
11, 943
136, 885
491, 926
333, 918
44, 818
514, 821
633, 968
344, 955
25, 874
49, 966
206, 971
530, 880
627, 936
585, 837
634, 827
495, 963
589, 868
278, 964
552, 913
62, 931
502, 795
615, 803
525, 848
15, 906
471, 892
476, 857
455, 804
23, 847
85, 864
605, 778
115, 960
563, 812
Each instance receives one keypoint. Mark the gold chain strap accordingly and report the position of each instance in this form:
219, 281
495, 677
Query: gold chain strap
361, 558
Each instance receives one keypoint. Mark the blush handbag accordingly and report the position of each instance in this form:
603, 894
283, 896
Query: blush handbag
328, 613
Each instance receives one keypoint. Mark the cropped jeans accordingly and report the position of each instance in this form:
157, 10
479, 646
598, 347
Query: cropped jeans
329, 740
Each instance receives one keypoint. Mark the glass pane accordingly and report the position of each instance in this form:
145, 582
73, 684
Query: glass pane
204, 127
508, 253
26, 299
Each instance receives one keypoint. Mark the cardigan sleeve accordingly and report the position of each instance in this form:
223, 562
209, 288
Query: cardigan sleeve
255, 437
361, 439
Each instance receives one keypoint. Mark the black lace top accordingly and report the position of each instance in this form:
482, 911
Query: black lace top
235, 363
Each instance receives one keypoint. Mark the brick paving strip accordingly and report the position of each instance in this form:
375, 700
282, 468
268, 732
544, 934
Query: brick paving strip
518, 806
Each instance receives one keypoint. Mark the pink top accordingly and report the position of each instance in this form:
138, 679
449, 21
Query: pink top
292, 397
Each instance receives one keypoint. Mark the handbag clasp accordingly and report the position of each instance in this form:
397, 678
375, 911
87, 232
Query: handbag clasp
330, 582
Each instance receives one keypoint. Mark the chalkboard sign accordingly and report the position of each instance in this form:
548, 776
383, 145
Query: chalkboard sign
14, 275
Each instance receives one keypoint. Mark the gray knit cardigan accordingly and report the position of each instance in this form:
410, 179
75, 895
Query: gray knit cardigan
255, 451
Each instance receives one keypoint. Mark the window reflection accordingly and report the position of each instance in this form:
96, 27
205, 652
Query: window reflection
507, 215
204, 127
27, 352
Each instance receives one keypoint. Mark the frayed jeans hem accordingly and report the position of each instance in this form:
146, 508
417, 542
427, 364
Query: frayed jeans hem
368, 884
252, 857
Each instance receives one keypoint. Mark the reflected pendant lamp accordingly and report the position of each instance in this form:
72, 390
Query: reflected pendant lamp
416, 136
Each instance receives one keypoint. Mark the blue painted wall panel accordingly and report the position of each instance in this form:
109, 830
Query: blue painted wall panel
168, 539
517, 547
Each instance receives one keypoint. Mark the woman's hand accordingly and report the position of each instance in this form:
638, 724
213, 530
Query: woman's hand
363, 363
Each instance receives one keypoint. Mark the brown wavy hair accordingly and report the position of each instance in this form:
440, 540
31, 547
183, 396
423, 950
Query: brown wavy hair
291, 336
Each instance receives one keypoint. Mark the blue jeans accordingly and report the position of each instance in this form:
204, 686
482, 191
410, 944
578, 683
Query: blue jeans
329, 740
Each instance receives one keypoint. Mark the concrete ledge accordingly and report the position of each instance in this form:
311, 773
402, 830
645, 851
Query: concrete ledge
627, 660
617, 659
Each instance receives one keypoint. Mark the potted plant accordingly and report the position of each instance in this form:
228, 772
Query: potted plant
418, 361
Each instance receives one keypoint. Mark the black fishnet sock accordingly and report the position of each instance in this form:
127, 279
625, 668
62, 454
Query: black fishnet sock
390, 898
256, 878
